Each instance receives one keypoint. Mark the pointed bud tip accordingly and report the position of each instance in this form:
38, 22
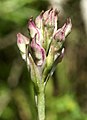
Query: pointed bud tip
51, 9
31, 24
19, 41
68, 26
68, 21
30, 20
41, 14
56, 12
18, 34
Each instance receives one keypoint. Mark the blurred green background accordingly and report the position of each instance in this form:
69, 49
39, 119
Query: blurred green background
66, 91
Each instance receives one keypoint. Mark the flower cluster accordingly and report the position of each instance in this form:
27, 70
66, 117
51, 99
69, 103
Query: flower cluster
44, 47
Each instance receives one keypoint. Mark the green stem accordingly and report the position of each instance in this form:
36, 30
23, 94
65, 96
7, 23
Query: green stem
41, 103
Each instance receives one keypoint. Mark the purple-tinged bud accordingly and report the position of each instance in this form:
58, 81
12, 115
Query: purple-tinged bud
34, 30
22, 41
37, 51
61, 33
50, 18
39, 21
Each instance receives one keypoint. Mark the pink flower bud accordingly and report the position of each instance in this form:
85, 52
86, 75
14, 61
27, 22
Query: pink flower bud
39, 20
33, 29
38, 52
50, 18
61, 33
22, 41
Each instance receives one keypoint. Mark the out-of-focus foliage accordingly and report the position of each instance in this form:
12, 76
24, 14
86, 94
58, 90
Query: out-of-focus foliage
17, 12
66, 92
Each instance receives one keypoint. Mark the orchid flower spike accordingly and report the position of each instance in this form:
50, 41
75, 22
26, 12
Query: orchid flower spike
45, 43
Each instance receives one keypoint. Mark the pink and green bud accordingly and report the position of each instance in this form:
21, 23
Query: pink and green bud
37, 51
61, 33
50, 17
39, 21
33, 29
22, 41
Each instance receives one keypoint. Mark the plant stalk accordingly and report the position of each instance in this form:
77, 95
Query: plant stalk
41, 103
